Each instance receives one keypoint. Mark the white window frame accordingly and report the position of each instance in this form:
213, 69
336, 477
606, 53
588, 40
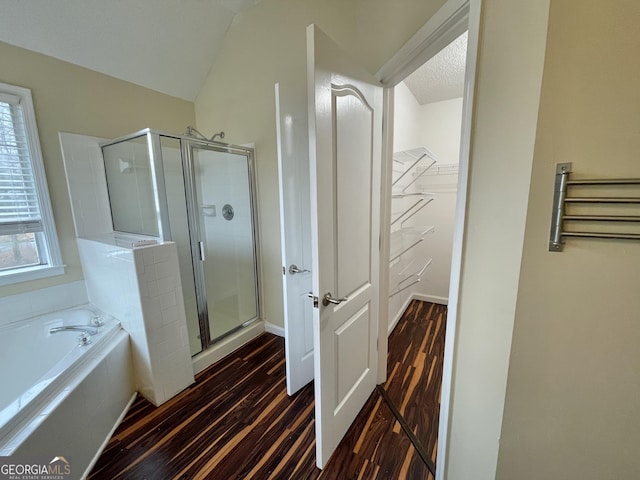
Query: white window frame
53, 265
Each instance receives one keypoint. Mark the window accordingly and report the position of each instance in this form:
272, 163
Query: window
28, 243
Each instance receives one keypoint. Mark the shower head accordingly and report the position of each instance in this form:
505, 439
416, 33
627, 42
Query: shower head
192, 132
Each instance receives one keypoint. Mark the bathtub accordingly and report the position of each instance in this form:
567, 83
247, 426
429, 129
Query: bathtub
57, 394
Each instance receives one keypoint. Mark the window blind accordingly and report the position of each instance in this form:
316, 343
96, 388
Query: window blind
19, 205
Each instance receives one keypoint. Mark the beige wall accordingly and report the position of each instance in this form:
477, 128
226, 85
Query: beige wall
72, 99
509, 75
267, 44
573, 397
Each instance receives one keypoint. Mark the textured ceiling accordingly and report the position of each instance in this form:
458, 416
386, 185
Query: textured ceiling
442, 77
165, 45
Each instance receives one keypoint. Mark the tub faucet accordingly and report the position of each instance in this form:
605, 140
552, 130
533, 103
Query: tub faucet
89, 330
84, 339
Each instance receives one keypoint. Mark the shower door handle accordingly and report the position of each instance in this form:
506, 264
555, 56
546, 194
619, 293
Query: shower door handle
201, 251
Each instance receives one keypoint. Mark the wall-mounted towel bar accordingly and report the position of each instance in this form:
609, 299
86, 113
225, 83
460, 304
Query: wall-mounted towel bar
565, 197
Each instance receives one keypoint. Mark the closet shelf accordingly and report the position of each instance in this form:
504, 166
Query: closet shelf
406, 238
411, 161
409, 197
411, 279
409, 156
407, 213
442, 169
413, 194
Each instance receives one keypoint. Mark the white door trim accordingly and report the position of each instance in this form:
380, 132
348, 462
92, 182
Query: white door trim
453, 18
445, 26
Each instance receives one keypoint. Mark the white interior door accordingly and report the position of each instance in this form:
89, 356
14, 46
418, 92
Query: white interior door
345, 135
295, 229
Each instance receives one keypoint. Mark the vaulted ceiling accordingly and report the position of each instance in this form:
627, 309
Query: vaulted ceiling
165, 45
168, 45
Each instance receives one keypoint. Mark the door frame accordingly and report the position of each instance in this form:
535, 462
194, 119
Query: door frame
450, 21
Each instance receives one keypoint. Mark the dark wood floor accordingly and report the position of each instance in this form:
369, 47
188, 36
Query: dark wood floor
414, 368
237, 421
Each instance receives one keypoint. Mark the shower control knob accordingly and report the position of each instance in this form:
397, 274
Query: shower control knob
227, 212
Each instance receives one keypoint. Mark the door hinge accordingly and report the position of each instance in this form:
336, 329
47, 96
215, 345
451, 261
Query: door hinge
315, 299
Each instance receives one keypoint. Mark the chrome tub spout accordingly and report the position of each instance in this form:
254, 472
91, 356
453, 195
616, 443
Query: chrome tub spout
75, 328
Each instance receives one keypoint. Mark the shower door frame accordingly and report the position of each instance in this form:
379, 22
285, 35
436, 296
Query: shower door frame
164, 228
187, 144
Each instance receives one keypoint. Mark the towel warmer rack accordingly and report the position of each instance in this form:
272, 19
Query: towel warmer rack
562, 198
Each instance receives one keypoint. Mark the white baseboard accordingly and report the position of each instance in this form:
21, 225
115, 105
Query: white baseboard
415, 296
398, 316
431, 298
275, 329
106, 440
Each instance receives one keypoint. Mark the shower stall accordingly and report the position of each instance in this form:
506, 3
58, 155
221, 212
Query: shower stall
199, 194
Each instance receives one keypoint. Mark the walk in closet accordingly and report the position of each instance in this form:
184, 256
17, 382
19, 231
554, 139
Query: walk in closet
423, 199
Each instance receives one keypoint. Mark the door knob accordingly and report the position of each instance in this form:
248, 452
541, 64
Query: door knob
293, 269
327, 299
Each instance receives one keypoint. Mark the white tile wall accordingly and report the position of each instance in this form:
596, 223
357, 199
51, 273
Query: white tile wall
142, 288
165, 319
112, 286
87, 184
26, 305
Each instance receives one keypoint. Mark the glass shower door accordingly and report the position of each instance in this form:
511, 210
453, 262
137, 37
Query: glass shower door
226, 243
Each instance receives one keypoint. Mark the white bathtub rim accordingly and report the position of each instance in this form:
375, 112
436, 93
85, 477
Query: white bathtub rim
18, 428
42, 323
28, 401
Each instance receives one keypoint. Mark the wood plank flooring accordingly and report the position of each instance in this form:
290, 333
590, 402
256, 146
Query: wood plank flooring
414, 367
237, 422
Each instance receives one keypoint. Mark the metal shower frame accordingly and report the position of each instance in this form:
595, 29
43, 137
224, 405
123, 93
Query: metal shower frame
162, 208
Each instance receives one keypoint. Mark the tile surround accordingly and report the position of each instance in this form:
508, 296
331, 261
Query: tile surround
15, 308
87, 184
142, 288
